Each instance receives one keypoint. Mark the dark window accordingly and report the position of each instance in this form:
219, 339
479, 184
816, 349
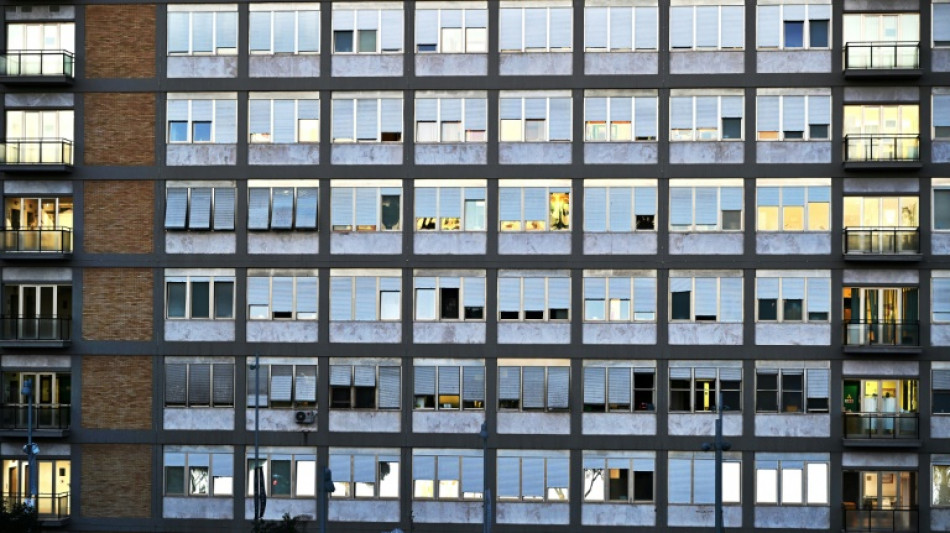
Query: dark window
768, 309
201, 132
818, 34
794, 34
645, 221
766, 394
731, 128
681, 305
449, 302
343, 41
643, 486
817, 131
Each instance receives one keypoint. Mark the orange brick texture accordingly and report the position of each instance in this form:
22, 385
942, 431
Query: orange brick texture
117, 304
120, 41
118, 217
119, 129
117, 392
116, 480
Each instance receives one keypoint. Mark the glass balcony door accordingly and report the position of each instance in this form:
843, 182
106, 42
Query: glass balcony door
39, 310
53, 479
881, 316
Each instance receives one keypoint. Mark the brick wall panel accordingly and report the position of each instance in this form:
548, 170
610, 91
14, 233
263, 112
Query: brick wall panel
119, 129
120, 41
117, 304
117, 392
116, 481
118, 217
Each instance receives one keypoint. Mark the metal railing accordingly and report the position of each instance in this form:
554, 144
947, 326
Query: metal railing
50, 240
23, 63
873, 333
44, 416
882, 426
885, 147
25, 152
882, 55
881, 241
48, 506
896, 519
34, 328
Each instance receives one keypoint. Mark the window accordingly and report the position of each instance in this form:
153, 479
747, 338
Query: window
288, 472
199, 297
39, 137
705, 208
793, 26
444, 475
364, 387
200, 208
940, 478
941, 388
51, 399
791, 390
620, 28
365, 297
697, 389
620, 118
705, 298
367, 31
202, 30
878, 211
451, 120
707, 27
282, 120
534, 118
619, 298
444, 208
451, 31
198, 474
880, 28
787, 479
35, 213
941, 114
616, 206
792, 299
449, 298
534, 388
449, 388
193, 384
529, 476
40, 48
291, 207
941, 207
534, 208
690, 474
941, 297
288, 295
618, 476
705, 118
282, 385
529, 296
356, 208
619, 389
882, 133
37, 312
284, 31
787, 208
365, 473
367, 119
206, 120
793, 117
535, 29
941, 24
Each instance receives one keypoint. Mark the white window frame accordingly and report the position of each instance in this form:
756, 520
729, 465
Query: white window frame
640, 194
776, 470
545, 278
552, 190
611, 294
473, 17
223, 110
734, 305
347, 376
879, 38
298, 12
940, 297
816, 194
943, 186
815, 295
791, 11
551, 400
343, 192
725, 27
513, 107
434, 282
262, 306
940, 110
599, 468
471, 194
939, 473
911, 108
304, 118
703, 186
382, 29
695, 133
222, 205
212, 279
383, 282
20, 124
597, 26
506, 13
640, 107
341, 116
940, 379
345, 466
218, 462
63, 36
603, 378
700, 477
472, 112
220, 15
297, 457
779, 107
272, 219
815, 386
301, 383
444, 475
703, 372
434, 379
554, 483
939, 16
219, 372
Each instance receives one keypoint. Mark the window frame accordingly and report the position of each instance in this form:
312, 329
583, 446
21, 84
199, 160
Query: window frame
469, 389
421, 474
506, 460
724, 29
695, 133
548, 30
473, 127
216, 14
941, 387
546, 310
807, 21
591, 401
607, 299
382, 192
345, 483
806, 297
216, 133
809, 191
189, 280
940, 110
214, 209
718, 277
693, 225
299, 123
730, 486
469, 21
437, 297
610, 461
169, 454
811, 105
296, 224
273, 30
511, 405
608, 122
934, 19
213, 365
694, 389
944, 187
554, 196
380, 371
263, 397
474, 193
778, 466
266, 459
809, 374
507, 112
354, 292
639, 206
382, 32
338, 116
18, 124
295, 294
609, 14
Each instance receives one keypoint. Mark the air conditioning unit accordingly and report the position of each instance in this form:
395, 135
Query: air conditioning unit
305, 417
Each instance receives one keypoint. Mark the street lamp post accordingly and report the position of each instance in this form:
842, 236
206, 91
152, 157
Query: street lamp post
259, 501
327, 488
719, 446
486, 493
31, 449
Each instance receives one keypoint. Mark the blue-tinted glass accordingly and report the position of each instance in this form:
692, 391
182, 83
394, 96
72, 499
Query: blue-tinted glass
794, 34
201, 132
343, 41
178, 131
818, 34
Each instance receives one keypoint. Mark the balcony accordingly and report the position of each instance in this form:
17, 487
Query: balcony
895, 519
48, 421
870, 337
36, 243
35, 332
882, 59
881, 151
47, 67
52, 509
36, 155
882, 244
882, 429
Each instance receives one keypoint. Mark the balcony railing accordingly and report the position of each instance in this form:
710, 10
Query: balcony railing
34, 328
867, 333
44, 417
882, 241
48, 506
896, 519
36, 240
37, 64
882, 147
903, 55
36, 152
894, 426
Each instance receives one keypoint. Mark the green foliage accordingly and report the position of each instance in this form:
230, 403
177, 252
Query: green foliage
287, 524
18, 518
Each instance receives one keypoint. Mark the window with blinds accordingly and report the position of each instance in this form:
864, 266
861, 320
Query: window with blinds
449, 388
365, 298
280, 385
447, 475
941, 112
793, 299
202, 32
451, 120
793, 117
365, 473
534, 208
690, 476
792, 390
284, 31
198, 474
367, 120
787, 479
941, 24
283, 121
450, 208
199, 297
451, 31
199, 384
941, 391
534, 388
706, 299
697, 389
620, 118
619, 476
202, 121
365, 208
364, 387
526, 476
619, 209
619, 28
940, 299
282, 208
785, 208
535, 29
447, 298
619, 299
290, 297
524, 298
706, 208
941, 208
287, 473
200, 208
367, 31
707, 27
706, 118
793, 26
540, 119
619, 389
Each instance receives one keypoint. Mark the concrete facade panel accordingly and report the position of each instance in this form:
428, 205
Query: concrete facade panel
283, 154
792, 243
611, 514
456, 422
204, 508
541, 243
536, 64
198, 419
619, 333
798, 517
705, 334
282, 331
787, 152
793, 425
879, 460
182, 155
940, 335
620, 63
449, 333
278, 420
199, 330
452, 65
447, 512
365, 421
363, 511
369, 65
37, 187
279, 243
523, 333
940, 151
550, 153
707, 62
880, 368
442, 243
703, 516
306, 508
202, 67
793, 334
533, 423
940, 60
280, 66
703, 424
620, 243
366, 154
710, 243
619, 424
940, 427
186, 242
793, 61
452, 154
706, 152
639, 153
366, 243
532, 513
373, 332
51, 100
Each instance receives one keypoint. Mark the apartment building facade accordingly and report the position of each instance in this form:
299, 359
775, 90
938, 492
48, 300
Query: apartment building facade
578, 224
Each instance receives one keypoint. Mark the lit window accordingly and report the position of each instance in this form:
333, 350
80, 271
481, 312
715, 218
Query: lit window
534, 208
785, 208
